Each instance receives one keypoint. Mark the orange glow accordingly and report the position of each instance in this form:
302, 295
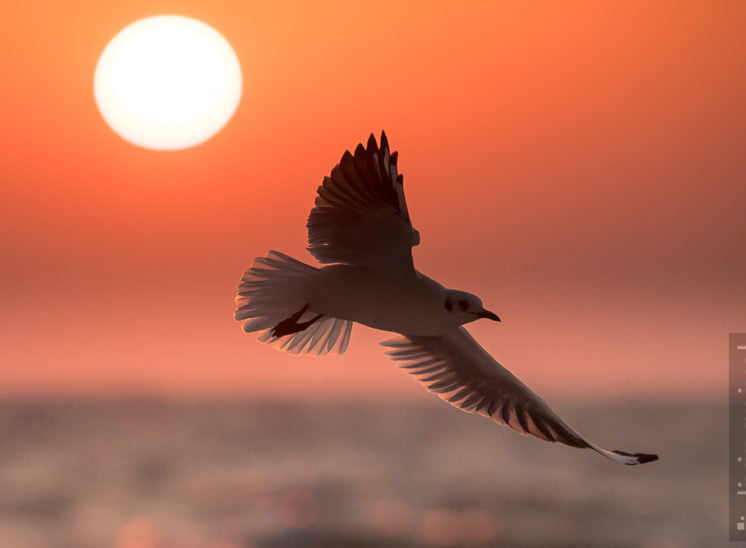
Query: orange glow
579, 165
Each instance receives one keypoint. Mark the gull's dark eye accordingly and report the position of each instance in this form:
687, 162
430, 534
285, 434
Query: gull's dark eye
463, 305
449, 305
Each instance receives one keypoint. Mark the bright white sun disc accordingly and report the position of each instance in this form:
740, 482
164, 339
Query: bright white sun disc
167, 82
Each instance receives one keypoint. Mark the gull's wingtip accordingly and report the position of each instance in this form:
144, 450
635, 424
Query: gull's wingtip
646, 457
637, 458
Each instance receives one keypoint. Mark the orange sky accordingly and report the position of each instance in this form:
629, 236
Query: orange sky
579, 165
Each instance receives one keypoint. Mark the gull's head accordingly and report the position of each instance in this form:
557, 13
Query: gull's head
464, 307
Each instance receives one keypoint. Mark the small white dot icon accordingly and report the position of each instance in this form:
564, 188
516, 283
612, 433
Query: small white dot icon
739, 459
740, 390
739, 484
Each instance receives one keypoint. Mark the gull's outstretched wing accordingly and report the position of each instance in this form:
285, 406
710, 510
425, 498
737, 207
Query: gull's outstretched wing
457, 369
360, 217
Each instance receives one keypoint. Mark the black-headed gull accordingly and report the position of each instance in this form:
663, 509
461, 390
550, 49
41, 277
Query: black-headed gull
361, 228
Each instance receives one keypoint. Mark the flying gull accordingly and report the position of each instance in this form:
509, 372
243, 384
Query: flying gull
360, 227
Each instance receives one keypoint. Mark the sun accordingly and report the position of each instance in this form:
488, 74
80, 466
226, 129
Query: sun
167, 82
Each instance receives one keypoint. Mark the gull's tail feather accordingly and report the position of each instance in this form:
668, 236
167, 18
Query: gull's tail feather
271, 294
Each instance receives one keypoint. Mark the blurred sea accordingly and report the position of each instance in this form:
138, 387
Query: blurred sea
149, 473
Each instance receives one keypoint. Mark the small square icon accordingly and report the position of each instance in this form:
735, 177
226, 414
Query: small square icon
739, 526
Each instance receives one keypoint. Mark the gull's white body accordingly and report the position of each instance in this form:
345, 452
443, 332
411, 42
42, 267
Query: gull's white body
367, 297
360, 228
